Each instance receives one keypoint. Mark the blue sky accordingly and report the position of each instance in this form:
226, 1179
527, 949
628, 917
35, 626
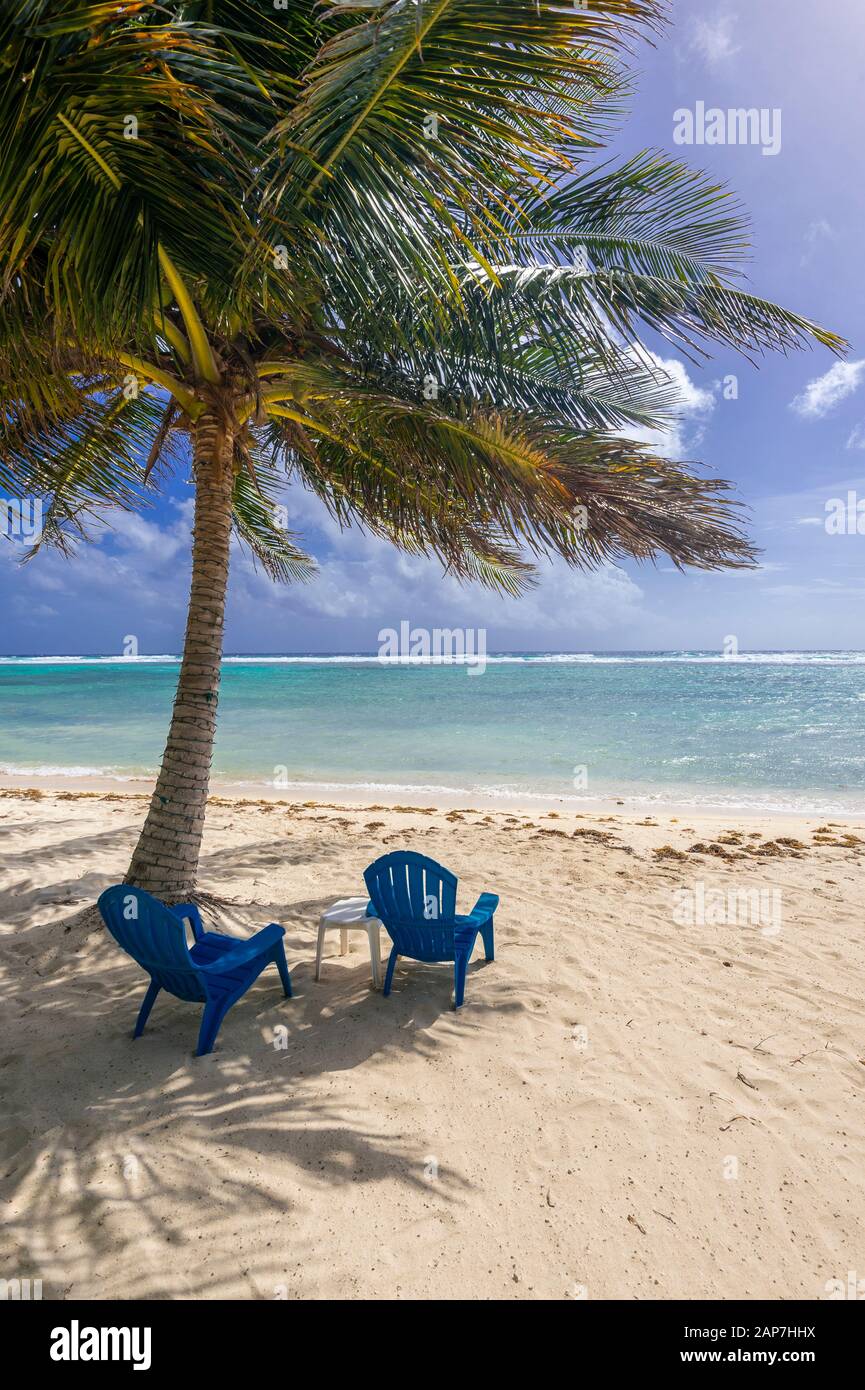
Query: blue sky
793, 440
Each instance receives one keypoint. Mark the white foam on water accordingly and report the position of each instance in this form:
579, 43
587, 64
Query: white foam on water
55, 770
782, 802
696, 658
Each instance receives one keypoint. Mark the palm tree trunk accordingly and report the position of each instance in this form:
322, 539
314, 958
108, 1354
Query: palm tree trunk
166, 856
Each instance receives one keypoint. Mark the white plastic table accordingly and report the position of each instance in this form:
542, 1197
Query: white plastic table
349, 914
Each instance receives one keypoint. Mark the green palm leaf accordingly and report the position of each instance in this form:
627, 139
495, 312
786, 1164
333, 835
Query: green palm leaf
257, 524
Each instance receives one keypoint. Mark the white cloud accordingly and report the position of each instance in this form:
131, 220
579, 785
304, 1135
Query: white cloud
695, 400
131, 578
685, 432
818, 588
820, 230
134, 534
857, 438
367, 581
823, 394
32, 612
713, 38
818, 233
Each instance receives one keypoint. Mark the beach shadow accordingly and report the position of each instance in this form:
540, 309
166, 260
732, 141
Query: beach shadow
132, 1157
76, 848
266, 854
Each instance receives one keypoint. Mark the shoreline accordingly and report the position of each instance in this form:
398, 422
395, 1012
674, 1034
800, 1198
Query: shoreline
388, 796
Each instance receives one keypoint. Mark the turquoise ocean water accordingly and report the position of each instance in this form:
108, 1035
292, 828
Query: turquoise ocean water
781, 730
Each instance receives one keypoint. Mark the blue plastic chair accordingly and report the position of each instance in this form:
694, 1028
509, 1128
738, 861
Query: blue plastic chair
416, 900
215, 971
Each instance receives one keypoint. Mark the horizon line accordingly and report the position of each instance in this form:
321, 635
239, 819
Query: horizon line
375, 655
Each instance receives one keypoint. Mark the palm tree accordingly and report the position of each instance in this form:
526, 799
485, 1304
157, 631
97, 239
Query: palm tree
367, 254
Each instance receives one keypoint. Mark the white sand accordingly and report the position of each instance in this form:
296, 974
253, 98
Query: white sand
703, 1137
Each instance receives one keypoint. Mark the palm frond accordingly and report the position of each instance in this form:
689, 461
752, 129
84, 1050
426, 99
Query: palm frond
82, 462
569, 307
452, 480
257, 525
421, 126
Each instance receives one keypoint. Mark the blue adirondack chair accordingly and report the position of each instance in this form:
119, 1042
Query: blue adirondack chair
215, 971
416, 900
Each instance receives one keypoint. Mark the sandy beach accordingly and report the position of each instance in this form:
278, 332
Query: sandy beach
641, 1098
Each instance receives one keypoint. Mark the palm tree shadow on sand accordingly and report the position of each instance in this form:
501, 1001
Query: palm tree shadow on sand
134, 1169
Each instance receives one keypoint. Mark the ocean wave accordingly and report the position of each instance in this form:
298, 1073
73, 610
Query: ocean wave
786, 658
86, 660
779, 802
56, 770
